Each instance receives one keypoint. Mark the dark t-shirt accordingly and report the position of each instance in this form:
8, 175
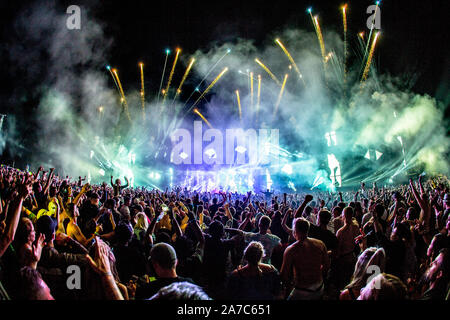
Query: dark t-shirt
147, 290
326, 236
215, 258
129, 261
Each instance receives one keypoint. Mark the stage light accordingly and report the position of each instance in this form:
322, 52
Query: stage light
101, 172
378, 154
287, 168
91, 154
291, 186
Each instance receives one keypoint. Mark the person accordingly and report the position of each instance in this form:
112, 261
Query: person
216, 256
53, 263
141, 226
306, 261
321, 232
437, 277
384, 287
370, 257
337, 222
26, 245
255, 280
130, 260
181, 291
118, 187
395, 246
269, 241
344, 262
101, 265
163, 259
32, 286
74, 231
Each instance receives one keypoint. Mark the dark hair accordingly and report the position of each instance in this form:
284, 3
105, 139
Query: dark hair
324, 216
265, 221
181, 291
301, 226
216, 229
47, 226
379, 209
110, 203
123, 232
29, 284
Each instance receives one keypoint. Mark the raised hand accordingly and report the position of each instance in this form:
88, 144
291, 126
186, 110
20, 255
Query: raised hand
100, 262
37, 250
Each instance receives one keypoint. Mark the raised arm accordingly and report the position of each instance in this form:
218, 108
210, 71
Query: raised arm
49, 180
299, 211
284, 221
12, 219
100, 264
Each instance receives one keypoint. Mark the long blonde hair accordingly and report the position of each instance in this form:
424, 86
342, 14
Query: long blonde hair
141, 222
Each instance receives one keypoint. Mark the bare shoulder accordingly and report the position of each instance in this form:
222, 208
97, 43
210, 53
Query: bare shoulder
317, 243
266, 267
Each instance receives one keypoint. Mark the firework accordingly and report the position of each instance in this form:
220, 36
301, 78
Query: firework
280, 95
206, 76
123, 99
320, 37
142, 90
209, 87
164, 71
371, 28
286, 52
369, 58
268, 71
203, 118
186, 73
344, 22
239, 104
188, 69
166, 91
114, 78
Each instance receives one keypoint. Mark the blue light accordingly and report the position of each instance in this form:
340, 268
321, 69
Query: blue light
309, 10
108, 67
167, 51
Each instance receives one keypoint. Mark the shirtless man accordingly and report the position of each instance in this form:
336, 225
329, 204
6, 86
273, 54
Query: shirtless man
306, 262
345, 257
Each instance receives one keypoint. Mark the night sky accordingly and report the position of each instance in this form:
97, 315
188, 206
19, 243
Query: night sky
413, 43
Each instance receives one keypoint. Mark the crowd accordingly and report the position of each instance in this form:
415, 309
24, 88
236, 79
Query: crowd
65, 239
